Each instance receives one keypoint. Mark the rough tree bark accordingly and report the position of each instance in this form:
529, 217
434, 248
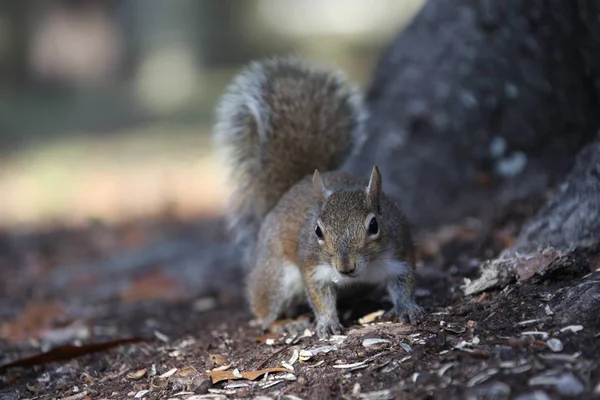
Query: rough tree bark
480, 103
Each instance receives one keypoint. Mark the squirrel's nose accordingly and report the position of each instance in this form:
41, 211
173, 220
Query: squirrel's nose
347, 268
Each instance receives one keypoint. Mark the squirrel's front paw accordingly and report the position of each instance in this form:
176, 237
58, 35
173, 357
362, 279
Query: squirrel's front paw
411, 313
328, 327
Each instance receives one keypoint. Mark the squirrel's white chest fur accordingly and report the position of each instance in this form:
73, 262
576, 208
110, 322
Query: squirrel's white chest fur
377, 272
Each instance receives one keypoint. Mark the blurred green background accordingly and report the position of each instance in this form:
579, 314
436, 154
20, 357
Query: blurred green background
106, 106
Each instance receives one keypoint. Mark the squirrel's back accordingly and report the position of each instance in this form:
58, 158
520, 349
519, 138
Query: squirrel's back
278, 121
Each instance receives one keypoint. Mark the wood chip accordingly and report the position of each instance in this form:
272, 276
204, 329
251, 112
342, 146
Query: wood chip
236, 385
379, 395
543, 335
286, 365
572, 328
482, 377
528, 322
219, 392
555, 345
561, 357
288, 377
367, 319
406, 347
218, 376
161, 336
271, 383
370, 342
137, 374
294, 357
292, 340
168, 373
141, 394
347, 366
305, 355
445, 368
221, 368
317, 364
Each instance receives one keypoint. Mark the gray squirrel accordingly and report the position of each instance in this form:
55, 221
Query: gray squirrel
283, 128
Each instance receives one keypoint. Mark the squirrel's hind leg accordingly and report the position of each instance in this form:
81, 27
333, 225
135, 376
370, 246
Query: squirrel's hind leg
274, 289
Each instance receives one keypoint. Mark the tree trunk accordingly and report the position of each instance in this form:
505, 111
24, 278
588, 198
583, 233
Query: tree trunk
481, 103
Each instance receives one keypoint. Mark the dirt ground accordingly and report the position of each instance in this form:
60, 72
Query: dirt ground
146, 310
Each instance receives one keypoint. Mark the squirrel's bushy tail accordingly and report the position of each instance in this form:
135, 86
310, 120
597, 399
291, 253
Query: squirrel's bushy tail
278, 121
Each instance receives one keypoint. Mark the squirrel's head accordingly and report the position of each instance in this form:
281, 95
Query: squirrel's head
349, 226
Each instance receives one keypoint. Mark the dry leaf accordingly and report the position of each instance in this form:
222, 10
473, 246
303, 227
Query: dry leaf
218, 376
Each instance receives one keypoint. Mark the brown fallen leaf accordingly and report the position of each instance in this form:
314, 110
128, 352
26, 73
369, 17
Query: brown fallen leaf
67, 352
218, 376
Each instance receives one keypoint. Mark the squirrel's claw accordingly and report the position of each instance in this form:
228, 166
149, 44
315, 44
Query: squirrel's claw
414, 314
411, 313
330, 327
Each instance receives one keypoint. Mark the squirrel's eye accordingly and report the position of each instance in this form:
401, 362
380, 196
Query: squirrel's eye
319, 232
373, 227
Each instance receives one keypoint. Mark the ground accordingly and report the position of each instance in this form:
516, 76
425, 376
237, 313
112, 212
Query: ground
139, 282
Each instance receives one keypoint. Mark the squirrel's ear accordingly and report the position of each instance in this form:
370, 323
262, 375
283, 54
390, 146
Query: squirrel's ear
319, 188
374, 188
